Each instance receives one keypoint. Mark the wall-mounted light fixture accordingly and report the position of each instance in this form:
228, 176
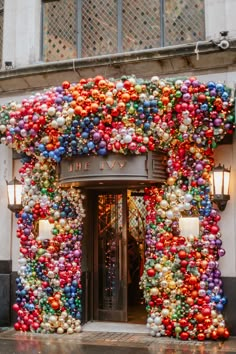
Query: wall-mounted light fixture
188, 226
14, 191
8, 65
45, 229
220, 179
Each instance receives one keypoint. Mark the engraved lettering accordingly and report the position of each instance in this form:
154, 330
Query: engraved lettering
122, 163
101, 166
78, 166
111, 164
86, 166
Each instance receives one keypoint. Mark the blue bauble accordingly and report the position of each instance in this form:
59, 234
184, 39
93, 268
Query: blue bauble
85, 135
217, 298
31, 307
211, 85
75, 123
225, 96
102, 151
51, 154
146, 104
223, 300
78, 316
96, 120
219, 88
219, 307
140, 109
146, 126
45, 154
86, 120
90, 145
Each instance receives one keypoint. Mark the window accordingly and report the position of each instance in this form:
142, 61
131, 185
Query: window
59, 30
79, 28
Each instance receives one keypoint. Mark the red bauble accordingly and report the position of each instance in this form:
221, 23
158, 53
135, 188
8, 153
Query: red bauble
66, 84
35, 325
201, 336
24, 327
184, 335
173, 249
184, 263
159, 246
183, 322
15, 307
182, 254
151, 272
166, 321
214, 229
17, 326
226, 333
214, 335
206, 311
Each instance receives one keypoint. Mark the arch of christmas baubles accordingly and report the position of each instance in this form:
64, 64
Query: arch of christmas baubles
186, 119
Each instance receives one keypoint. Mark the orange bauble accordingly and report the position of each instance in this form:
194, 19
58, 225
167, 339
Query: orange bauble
125, 97
78, 110
221, 331
199, 317
55, 305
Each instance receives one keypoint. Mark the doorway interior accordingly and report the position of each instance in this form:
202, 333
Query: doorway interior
117, 228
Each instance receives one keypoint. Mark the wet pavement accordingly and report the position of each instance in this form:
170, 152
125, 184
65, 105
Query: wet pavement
12, 342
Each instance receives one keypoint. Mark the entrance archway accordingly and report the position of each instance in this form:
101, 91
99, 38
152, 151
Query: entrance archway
184, 118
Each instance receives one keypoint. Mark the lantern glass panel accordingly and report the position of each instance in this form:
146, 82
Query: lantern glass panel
226, 182
11, 194
18, 192
218, 182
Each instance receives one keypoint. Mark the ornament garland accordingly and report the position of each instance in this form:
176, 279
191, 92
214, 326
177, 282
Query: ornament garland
182, 117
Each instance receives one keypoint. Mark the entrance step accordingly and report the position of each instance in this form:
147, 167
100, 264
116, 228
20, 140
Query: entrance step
114, 327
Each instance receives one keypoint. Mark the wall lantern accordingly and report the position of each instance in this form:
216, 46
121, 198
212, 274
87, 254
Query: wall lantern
14, 191
188, 226
45, 229
220, 178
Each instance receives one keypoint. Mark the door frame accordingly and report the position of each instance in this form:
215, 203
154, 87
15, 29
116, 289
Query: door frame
96, 314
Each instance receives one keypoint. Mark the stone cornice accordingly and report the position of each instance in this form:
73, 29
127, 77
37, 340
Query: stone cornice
190, 59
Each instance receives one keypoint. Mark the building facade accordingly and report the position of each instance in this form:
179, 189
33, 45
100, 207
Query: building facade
47, 43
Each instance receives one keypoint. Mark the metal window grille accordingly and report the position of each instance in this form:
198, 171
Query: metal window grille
141, 25
99, 27
184, 21
60, 30
88, 28
1, 28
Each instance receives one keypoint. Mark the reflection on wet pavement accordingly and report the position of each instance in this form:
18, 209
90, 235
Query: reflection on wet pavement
12, 342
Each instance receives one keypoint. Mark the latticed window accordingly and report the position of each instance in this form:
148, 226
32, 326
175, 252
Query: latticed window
60, 30
1, 28
88, 28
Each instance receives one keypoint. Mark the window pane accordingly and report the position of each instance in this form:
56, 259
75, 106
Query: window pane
99, 27
110, 223
59, 30
141, 25
184, 21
